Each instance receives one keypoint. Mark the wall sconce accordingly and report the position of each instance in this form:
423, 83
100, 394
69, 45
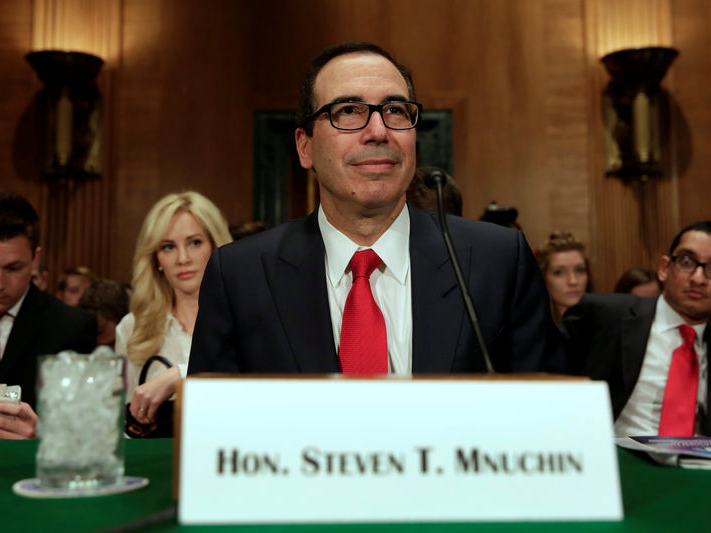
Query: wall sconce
72, 113
635, 112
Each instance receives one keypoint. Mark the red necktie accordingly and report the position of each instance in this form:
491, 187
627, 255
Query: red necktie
364, 342
679, 407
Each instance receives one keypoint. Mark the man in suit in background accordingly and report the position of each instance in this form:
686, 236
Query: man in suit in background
279, 302
32, 323
658, 383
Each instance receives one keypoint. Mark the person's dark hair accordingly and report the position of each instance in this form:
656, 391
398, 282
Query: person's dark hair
306, 96
239, 231
18, 217
635, 276
105, 298
501, 216
422, 197
704, 226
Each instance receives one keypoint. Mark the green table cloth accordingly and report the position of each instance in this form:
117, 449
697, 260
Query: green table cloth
655, 498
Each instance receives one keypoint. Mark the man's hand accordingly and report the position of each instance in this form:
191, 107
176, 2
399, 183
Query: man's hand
17, 421
149, 396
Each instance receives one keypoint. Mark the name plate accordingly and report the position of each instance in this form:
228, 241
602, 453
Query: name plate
320, 450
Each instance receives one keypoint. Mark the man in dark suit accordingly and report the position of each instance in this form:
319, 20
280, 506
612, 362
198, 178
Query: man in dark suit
32, 323
630, 341
276, 302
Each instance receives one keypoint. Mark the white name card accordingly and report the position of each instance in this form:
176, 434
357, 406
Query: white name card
395, 450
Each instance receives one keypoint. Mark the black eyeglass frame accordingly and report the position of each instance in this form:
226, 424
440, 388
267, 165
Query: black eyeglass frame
697, 264
371, 109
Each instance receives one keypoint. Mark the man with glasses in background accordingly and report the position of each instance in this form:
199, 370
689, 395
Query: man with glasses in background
364, 284
653, 351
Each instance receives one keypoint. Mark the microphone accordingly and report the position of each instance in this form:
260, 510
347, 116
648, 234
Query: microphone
435, 179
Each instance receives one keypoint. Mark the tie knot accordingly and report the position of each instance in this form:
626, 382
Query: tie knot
688, 334
363, 263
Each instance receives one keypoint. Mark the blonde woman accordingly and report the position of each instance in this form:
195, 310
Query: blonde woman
175, 243
565, 270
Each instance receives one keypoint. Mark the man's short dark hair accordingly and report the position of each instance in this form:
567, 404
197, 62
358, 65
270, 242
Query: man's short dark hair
105, 298
306, 95
18, 217
634, 277
422, 197
704, 226
245, 229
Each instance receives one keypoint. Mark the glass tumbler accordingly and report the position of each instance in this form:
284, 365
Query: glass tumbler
81, 409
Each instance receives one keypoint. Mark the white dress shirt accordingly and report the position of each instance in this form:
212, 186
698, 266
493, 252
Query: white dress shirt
643, 411
7, 321
390, 284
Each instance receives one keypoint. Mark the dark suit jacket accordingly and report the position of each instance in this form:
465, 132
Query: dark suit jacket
43, 325
606, 336
264, 303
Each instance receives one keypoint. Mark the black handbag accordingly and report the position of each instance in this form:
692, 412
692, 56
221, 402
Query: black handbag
162, 424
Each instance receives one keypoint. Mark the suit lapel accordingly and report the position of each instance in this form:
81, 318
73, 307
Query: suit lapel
634, 337
297, 277
23, 330
437, 309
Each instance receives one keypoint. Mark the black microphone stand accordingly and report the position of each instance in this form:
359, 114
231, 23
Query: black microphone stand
433, 180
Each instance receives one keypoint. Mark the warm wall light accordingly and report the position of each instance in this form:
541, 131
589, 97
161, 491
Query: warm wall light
72, 113
635, 110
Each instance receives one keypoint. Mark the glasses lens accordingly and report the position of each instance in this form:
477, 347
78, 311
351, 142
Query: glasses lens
400, 115
349, 116
684, 263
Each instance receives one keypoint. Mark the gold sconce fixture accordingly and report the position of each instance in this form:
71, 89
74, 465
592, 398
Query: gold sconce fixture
635, 112
72, 113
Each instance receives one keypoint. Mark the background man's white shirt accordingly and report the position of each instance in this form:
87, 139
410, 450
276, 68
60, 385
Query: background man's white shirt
7, 321
643, 410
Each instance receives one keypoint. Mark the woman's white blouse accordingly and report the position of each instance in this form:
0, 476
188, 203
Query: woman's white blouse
175, 348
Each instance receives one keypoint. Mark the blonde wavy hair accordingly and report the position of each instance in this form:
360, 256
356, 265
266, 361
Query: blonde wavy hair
153, 297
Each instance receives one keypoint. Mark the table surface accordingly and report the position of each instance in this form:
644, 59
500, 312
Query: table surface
656, 498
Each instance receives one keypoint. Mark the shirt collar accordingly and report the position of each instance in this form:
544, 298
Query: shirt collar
667, 318
173, 324
16, 308
392, 247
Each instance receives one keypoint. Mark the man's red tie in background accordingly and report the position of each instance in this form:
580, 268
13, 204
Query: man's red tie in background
679, 407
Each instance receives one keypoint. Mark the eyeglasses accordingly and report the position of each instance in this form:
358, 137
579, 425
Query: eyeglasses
688, 265
351, 116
